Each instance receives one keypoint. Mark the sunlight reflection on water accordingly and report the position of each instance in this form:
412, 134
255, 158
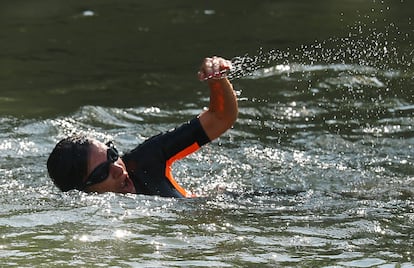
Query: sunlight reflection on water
317, 171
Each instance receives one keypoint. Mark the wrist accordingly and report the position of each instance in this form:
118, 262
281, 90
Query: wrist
219, 83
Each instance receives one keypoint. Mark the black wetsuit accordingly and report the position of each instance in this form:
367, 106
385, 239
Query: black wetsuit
149, 164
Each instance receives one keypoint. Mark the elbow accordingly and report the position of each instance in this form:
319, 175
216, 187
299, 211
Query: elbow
230, 119
215, 124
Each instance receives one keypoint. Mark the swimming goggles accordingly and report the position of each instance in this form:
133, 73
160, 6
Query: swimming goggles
101, 172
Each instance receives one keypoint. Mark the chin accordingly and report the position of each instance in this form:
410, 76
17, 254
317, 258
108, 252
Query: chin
129, 190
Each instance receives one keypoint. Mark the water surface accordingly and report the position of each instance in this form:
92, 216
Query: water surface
317, 172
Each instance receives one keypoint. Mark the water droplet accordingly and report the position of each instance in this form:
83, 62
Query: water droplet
88, 13
209, 12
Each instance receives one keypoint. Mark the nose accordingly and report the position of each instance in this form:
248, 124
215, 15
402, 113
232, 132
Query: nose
116, 170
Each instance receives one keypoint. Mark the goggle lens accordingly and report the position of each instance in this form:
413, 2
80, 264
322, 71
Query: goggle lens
101, 172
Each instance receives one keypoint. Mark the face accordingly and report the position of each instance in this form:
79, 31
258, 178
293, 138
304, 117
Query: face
118, 180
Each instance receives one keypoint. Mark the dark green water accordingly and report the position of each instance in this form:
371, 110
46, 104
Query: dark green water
319, 164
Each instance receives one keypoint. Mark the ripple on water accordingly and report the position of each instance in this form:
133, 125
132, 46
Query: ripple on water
304, 177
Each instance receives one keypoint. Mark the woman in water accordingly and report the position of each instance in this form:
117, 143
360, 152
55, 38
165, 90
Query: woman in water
85, 164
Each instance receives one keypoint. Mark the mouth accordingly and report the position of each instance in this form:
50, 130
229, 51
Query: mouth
127, 186
125, 183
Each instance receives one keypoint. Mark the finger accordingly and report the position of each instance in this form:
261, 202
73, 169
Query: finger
207, 67
214, 68
226, 64
216, 62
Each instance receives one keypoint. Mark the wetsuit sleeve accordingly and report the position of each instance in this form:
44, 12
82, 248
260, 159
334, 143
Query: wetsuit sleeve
149, 165
181, 139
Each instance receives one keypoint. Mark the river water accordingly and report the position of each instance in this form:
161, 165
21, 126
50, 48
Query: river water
318, 171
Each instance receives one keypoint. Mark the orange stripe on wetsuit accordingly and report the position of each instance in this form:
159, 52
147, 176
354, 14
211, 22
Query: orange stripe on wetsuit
168, 173
149, 164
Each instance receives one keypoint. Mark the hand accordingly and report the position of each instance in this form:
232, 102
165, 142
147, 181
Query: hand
214, 68
222, 110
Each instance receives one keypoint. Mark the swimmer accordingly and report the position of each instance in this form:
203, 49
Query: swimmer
86, 164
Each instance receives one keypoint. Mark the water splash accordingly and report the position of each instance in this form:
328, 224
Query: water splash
385, 48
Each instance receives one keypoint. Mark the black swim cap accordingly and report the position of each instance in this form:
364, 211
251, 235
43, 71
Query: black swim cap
67, 165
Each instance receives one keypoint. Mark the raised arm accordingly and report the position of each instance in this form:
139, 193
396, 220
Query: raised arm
222, 111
